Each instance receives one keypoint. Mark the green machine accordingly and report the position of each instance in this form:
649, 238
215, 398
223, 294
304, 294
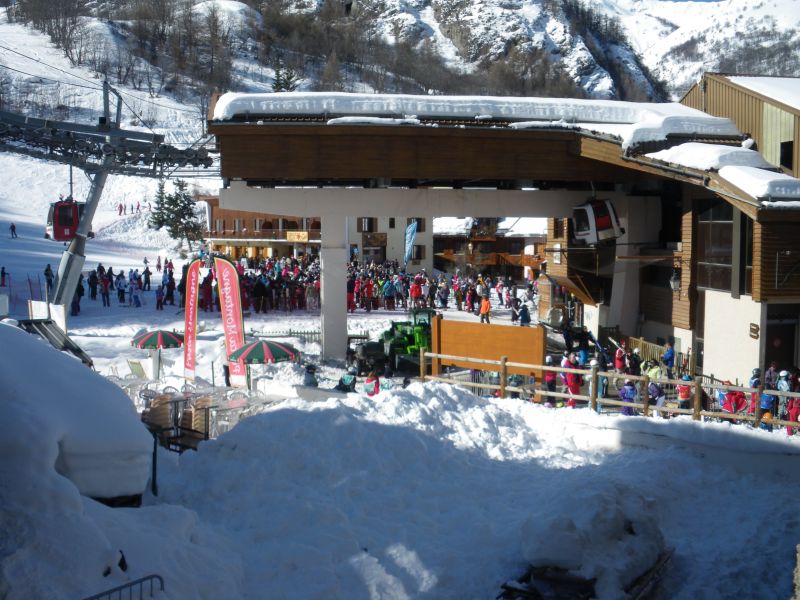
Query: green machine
398, 346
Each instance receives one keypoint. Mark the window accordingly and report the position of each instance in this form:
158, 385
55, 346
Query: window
257, 224
787, 154
746, 264
558, 228
418, 253
237, 225
581, 217
219, 225
420, 223
714, 245
391, 222
367, 224
515, 246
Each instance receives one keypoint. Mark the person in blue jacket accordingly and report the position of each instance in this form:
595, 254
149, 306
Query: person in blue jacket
668, 358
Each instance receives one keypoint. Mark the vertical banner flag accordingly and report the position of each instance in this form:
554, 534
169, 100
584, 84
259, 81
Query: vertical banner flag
192, 288
411, 234
230, 303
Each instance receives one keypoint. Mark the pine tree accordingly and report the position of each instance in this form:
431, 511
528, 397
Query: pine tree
158, 218
183, 223
176, 212
285, 80
277, 82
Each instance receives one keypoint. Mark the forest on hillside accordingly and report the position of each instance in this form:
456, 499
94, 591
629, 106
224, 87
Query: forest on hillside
189, 50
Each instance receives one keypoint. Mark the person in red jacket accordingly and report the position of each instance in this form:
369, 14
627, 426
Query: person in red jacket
574, 382
619, 357
793, 408
372, 385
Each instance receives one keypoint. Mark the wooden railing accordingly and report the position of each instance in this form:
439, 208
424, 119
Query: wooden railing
537, 393
684, 361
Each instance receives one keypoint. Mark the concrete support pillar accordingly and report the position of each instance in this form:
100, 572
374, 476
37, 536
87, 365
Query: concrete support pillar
333, 286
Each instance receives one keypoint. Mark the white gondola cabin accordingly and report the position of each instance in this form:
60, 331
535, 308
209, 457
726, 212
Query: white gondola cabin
595, 221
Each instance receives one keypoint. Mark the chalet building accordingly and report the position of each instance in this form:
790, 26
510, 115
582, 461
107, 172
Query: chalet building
508, 247
766, 108
716, 274
258, 236
379, 239
704, 249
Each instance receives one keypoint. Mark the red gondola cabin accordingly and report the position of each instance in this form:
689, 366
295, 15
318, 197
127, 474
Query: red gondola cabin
63, 219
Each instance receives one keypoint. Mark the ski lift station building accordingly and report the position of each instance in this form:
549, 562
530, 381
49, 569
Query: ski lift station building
704, 250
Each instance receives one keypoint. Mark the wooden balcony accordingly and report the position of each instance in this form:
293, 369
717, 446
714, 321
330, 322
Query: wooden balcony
490, 259
289, 235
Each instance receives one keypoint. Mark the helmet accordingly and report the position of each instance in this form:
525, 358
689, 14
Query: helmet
548, 360
627, 381
593, 362
686, 378
636, 351
756, 372
783, 373
352, 371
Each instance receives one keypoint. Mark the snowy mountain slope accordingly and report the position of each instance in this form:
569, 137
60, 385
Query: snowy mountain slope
678, 41
471, 35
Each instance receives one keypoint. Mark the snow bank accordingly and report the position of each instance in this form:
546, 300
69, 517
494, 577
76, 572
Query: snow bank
65, 433
70, 420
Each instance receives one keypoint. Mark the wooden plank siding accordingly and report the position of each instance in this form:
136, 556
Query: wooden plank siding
768, 240
719, 96
457, 338
682, 313
305, 152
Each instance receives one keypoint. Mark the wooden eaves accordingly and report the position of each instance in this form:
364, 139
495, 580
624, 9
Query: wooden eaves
610, 152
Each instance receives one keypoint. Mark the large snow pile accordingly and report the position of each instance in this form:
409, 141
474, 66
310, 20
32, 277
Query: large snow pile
69, 420
67, 433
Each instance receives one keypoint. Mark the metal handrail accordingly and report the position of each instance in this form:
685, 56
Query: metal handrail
130, 588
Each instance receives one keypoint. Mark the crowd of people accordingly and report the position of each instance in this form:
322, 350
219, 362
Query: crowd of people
128, 287
288, 284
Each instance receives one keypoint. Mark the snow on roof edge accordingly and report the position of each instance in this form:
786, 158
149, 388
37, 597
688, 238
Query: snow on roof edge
644, 121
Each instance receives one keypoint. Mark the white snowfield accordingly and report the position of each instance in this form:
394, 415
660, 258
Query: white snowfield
424, 492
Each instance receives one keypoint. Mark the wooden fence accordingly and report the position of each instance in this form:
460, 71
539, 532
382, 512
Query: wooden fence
593, 376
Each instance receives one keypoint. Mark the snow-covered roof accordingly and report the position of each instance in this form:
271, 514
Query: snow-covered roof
765, 185
710, 157
785, 90
522, 226
632, 122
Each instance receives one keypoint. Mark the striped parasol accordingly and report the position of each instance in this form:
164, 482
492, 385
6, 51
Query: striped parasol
158, 338
264, 351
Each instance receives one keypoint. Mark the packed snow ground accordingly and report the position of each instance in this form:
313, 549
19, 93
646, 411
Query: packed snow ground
427, 492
